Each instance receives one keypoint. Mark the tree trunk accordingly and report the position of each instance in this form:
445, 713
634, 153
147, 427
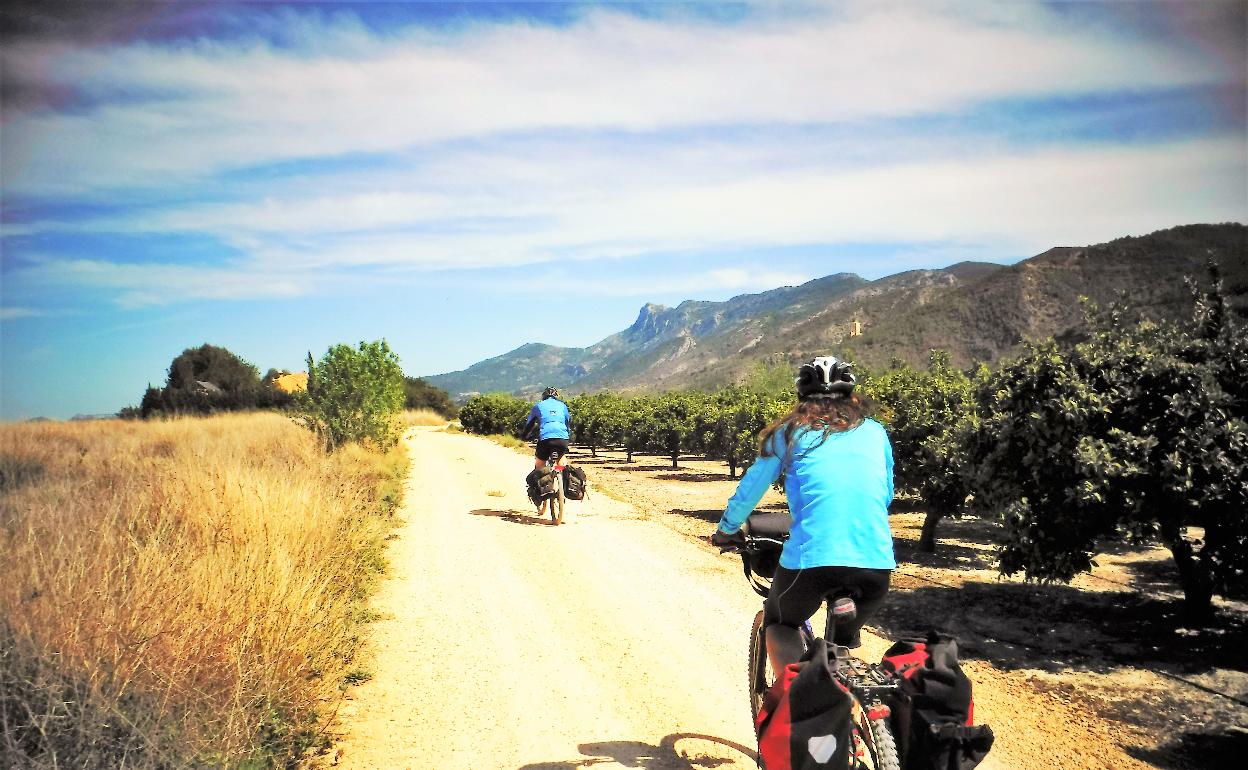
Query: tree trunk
674, 456
927, 540
630, 455
1197, 584
732, 468
593, 450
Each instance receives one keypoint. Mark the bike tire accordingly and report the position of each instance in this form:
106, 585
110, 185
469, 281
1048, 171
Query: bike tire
885, 745
761, 677
558, 500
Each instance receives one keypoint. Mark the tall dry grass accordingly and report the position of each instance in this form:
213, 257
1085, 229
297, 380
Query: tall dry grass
421, 418
185, 593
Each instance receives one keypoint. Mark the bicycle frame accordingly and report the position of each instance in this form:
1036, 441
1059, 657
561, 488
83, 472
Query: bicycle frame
554, 499
870, 686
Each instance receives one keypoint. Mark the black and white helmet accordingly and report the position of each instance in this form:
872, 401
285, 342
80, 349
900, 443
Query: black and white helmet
550, 393
825, 376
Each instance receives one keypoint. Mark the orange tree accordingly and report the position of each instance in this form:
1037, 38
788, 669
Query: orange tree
673, 420
494, 413
598, 420
1140, 433
929, 415
727, 426
638, 428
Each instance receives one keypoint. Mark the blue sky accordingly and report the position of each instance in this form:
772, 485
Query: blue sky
279, 177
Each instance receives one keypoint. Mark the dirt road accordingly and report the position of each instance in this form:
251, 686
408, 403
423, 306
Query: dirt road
609, 642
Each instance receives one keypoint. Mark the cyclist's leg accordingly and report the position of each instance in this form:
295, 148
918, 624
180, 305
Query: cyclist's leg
541, 454
867, 587
795, 595
558, 447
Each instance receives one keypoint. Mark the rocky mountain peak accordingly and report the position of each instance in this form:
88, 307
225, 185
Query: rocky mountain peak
651, 322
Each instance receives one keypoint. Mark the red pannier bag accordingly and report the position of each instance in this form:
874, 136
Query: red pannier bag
934, 720
804, 721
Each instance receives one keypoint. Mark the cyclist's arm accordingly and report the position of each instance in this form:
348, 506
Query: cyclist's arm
528, 426
753, 485
888, 467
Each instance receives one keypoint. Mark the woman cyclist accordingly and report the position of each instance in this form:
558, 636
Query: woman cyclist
838, 469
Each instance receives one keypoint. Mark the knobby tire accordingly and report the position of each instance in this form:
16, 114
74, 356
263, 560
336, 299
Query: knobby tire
760, 674
885, 746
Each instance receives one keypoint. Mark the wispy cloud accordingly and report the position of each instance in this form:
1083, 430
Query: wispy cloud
342, 151
1016, 201
13, 313
149, 110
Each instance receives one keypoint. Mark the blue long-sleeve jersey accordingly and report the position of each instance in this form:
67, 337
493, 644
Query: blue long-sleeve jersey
838, 493
554, 418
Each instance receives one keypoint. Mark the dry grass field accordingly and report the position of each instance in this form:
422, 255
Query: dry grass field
422, 418
184, 593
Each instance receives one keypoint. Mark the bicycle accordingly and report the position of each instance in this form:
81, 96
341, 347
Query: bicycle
553, 493
871, 687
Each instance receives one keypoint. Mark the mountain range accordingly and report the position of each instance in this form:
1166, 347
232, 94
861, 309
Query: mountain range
977, 311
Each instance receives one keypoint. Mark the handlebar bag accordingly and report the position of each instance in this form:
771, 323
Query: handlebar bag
804, 721
935, 720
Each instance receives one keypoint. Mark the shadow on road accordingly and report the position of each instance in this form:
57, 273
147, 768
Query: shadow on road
1061, 628
678, 751
514, 517
694, 476
1220, 751
635, 467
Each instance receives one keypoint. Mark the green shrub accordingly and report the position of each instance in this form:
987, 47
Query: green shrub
354, 395
494, 413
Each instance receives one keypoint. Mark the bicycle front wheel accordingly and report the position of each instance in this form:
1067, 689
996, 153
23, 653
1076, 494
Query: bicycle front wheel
761, 675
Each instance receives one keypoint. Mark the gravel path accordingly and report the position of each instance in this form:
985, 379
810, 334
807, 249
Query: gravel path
609, 642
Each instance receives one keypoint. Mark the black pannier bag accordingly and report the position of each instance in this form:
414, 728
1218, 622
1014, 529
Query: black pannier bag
535, 495
575, 485
934, 720
804, 721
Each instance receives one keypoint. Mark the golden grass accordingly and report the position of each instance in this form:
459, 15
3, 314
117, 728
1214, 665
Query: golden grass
181, 593
422, 418
511, 442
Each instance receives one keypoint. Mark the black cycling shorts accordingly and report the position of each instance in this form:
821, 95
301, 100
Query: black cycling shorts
548, 445
796, 595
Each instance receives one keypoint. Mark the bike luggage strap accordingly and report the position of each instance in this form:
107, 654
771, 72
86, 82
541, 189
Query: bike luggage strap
950, 731
760, 586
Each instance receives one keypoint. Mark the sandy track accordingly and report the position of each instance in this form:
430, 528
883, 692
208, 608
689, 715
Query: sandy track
609, 642
508, 643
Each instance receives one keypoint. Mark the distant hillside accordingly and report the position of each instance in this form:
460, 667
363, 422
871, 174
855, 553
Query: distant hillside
977, 311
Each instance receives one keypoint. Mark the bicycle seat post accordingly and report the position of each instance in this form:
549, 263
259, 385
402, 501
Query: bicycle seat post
841, 610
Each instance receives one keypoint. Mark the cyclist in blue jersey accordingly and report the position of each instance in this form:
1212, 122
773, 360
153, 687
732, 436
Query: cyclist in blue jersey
838, 478
554, 423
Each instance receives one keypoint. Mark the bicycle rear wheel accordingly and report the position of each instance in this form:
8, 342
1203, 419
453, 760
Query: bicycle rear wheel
885, 745
556, 502
872, 746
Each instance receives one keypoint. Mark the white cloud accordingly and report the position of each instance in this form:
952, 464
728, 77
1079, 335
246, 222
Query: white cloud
519, 144
13, 313
139, 285
170, 113
1017, 204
